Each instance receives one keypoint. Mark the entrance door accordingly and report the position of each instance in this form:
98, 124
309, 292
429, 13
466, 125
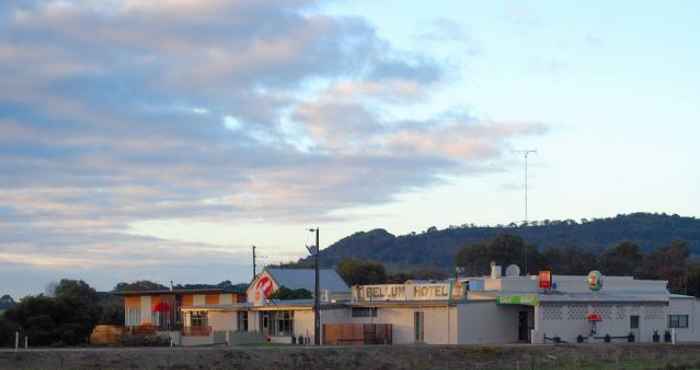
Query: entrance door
419, 326
265, 323
634, 327
523, 327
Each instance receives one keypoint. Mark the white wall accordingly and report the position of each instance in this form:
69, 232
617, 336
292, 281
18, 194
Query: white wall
304, 320
221, 320
568, 321
488, 322
440, 323
690, 307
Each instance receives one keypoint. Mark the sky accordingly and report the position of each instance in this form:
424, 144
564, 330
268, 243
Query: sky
160, 140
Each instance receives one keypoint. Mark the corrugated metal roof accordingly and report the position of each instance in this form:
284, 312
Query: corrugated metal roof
602, 297
304, 279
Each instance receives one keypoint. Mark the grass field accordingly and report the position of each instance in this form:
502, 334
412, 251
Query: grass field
418, 357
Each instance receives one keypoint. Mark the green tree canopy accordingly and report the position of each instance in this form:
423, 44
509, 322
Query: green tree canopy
284, 293
358, 272
504, 249
623, 259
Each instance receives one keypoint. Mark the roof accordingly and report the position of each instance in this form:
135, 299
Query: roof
176, 291
305, 279
602, 297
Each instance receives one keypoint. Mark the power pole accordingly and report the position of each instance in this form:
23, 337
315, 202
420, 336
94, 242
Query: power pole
254, 267
526, 154
317, 291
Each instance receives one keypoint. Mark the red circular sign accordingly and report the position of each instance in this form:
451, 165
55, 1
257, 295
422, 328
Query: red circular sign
265, 286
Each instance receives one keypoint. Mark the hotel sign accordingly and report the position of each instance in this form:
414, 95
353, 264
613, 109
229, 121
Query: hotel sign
405, 292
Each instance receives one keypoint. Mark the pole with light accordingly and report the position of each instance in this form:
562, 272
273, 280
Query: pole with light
314, 250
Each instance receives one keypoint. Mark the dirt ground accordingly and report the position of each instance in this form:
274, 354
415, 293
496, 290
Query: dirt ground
525, 357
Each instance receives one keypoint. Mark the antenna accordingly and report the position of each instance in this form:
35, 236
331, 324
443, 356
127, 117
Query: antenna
254, 266
526, 153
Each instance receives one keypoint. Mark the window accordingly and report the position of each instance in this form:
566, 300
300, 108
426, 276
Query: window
242, 321
155, 318
133, 317
282, 323
634, 322
418, 324
678, 321
199, 318
364, 312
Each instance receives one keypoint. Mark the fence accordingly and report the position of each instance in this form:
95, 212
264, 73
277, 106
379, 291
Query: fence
357, 334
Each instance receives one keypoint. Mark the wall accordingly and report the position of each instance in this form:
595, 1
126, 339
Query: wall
568, 321
304, 320
222, 321
486, 322
690, 307
440, 323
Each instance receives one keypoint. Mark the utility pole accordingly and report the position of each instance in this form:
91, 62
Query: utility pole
526, 154
254, 272
317, 290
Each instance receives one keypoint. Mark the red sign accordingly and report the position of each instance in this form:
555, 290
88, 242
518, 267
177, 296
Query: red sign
594, 317
545, 278
264, 285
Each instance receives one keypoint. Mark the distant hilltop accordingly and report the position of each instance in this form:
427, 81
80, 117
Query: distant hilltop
6, 302
437, 248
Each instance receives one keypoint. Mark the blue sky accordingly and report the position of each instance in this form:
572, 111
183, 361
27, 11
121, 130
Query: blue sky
159, 140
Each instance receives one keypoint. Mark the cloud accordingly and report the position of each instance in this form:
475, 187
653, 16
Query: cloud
124, 111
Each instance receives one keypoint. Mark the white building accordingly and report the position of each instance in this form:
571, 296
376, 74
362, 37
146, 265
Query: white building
477, 310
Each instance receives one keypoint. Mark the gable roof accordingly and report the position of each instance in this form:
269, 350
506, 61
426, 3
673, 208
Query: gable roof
304, 279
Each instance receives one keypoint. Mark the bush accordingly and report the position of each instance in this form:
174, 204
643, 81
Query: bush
140, 340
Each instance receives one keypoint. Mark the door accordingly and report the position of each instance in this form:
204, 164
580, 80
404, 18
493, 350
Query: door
634, 327
265, 323
523, 327
419, 326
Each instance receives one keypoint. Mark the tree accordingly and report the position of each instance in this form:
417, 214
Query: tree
284, 293
358, 272
694, 278
66, 319
669, 263
139, 286
623, 259
569, 260
504, 249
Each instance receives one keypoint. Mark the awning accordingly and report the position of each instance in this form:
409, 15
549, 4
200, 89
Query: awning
161, 307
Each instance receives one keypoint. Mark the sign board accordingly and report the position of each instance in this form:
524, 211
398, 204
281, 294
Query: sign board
595, 280
545, 279
407, 292
261, 289
521, 299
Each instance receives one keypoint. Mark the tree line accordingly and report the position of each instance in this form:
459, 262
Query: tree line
671, 262
65, 316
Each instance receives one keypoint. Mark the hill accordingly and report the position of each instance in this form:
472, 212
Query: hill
6, 302
437, 248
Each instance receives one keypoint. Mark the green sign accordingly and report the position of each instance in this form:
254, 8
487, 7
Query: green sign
522, 299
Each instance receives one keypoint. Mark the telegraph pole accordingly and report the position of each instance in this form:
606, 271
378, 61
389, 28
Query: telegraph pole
526, 154
317, 291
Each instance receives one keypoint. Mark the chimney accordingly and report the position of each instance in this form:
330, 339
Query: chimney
495, 270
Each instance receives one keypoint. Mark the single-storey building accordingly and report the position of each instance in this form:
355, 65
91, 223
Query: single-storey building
510, 308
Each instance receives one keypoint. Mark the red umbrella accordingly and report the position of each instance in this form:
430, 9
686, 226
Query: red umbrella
594, 317
161, 307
